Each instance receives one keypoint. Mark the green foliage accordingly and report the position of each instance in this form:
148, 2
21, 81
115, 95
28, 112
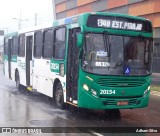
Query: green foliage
155, 88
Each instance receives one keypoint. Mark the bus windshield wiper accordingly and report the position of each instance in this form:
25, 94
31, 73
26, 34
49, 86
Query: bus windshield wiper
106, 43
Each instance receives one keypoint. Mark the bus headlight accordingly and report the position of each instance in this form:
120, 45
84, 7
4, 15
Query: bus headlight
61, 69
149, 87
85, 87
145, 92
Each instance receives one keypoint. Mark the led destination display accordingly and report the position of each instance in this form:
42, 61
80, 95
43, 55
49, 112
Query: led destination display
119, 23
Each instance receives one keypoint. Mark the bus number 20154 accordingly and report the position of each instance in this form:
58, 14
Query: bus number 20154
107, 91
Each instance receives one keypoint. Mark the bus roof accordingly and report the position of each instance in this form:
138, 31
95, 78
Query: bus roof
72, 20
10, 34
34, 28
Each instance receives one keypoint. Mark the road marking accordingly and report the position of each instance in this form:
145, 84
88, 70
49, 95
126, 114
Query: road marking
95, 133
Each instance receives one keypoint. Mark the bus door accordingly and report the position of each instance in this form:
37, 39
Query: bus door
29, 46
72, 66
9, 57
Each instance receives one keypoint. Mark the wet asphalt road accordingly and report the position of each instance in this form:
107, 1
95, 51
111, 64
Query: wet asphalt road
31, 109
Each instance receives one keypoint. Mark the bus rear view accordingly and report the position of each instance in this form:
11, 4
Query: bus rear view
116, 62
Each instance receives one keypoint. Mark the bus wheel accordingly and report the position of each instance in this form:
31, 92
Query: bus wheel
18, 85
58, 97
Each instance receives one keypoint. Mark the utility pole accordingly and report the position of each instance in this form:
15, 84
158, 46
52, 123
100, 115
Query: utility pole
35, 19
54, 9
19, 21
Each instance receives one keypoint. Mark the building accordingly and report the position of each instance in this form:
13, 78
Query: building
144, 8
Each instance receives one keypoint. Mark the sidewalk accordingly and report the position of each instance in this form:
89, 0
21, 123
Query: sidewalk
155, 79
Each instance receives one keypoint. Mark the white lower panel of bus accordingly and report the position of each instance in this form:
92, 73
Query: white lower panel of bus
43, 85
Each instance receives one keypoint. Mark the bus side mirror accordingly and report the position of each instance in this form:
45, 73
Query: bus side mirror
79, 40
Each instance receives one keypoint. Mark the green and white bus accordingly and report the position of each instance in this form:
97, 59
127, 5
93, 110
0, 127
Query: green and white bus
93, 60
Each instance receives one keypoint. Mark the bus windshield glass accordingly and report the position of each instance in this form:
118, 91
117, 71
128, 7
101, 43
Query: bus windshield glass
105, 54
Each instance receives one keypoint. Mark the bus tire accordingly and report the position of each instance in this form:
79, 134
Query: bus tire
58, 97
18, 85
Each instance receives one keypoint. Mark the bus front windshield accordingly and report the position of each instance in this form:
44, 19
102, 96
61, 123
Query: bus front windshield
105, 54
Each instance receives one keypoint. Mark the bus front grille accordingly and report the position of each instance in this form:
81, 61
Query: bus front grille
120, 82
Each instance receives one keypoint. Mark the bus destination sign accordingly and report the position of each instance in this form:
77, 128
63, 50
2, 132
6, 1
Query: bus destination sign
119, 23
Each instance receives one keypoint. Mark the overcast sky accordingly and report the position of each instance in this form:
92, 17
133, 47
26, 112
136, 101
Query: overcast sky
10, 9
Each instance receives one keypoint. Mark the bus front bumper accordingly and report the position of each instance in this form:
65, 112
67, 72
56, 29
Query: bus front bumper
91, 102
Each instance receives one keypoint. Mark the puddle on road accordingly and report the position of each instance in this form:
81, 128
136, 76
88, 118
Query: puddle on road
55, 122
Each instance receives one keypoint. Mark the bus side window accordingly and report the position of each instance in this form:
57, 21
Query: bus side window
38, 42
48, 43
6, 46
59, 43
15, 45
21, 45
